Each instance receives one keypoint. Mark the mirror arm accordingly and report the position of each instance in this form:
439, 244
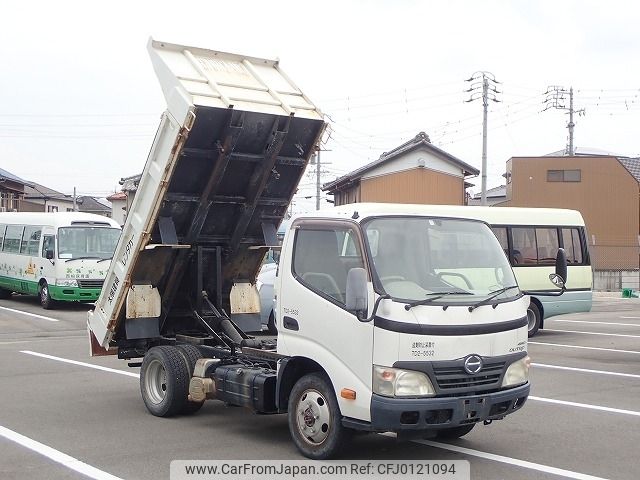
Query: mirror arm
375, 308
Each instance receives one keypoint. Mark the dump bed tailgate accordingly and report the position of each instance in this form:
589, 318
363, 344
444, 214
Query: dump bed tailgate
224, 165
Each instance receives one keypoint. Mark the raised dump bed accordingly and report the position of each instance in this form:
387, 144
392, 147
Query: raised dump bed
222, 170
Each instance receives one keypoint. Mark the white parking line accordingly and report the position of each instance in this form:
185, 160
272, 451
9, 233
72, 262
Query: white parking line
511, 461
585, 370
81, 364
42, 317
630, 317
594, 333
584, 348
57, 456
586, 405
595, 323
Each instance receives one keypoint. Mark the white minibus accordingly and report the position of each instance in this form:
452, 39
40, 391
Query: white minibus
60, 256
530, 237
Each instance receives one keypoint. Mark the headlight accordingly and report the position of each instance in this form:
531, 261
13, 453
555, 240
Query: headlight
517, 373
67, 282
393, 382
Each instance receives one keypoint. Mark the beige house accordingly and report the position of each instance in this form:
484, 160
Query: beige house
604, 188
414, 172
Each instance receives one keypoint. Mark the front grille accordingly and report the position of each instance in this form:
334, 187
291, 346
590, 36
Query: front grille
85, 283
455, 376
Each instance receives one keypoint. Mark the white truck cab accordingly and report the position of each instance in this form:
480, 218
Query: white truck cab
412, 311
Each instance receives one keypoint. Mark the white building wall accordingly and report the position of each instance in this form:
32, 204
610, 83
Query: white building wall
412, 160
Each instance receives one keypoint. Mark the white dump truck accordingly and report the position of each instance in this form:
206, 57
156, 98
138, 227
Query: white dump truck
390, 318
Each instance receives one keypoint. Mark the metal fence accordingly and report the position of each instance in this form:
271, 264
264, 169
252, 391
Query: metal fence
615, 267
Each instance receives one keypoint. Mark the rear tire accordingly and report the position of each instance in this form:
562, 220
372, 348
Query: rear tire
46, 301
164, 381
455, 432
534, 318
191, 355
315, 421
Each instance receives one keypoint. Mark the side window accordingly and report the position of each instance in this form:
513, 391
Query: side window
501, 235
547, 240
524, 246
31, 240
12, 239
47, 244
322, 258
2, 230
572, 245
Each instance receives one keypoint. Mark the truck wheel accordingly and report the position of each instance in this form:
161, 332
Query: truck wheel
45, 298
191, 355
315, 421
534, 317
455, 432
271, 325
164, 381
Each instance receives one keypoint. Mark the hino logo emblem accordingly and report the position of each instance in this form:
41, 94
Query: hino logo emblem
473, 364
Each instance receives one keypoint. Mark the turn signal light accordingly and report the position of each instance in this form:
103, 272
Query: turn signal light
348, 394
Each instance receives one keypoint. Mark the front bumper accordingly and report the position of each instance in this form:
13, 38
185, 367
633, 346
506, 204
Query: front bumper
74, 293
407, 414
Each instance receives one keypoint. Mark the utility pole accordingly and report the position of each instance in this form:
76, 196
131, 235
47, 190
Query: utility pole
489, 92
75, 205
556, 97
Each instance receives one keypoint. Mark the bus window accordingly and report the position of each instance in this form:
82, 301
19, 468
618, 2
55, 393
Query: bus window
12, 239
31, 240
572, 245
47, 244
524, 246
501, 235
547, 241
2, 230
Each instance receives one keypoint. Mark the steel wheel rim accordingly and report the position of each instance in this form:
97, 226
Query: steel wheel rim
44, 292
155, 381
313, 417
531, 319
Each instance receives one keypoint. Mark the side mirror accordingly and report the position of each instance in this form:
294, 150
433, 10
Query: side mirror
49, 254
357, 295
559, 278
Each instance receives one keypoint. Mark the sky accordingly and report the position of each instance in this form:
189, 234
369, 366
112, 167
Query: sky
80, 103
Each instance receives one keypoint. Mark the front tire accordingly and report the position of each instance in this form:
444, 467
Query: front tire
46, 301
534, 318
455, 432
315, 421
164, 381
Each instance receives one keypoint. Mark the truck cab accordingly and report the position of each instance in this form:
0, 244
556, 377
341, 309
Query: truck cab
413, 312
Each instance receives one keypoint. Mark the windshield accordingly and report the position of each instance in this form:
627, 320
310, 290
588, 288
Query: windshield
439, 260
91, 242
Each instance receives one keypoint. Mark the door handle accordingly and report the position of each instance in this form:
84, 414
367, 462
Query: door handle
290, 324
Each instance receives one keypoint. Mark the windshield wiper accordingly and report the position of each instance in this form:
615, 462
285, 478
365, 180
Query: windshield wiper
80, 258
103, 259
491, 296
436, 296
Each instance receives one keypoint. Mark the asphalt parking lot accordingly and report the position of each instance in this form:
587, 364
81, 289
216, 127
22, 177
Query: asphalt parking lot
64, 415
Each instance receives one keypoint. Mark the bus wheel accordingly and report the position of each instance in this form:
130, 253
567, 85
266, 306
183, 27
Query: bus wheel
534, 317
4, 293
164, 381
45, 298
315, 422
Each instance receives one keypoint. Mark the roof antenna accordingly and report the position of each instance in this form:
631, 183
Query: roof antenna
355, 215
